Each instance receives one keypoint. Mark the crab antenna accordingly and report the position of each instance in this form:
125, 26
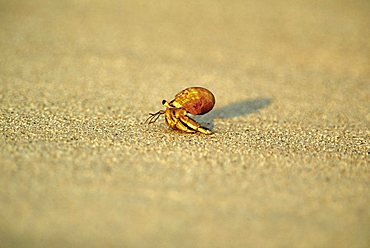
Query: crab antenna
153, 117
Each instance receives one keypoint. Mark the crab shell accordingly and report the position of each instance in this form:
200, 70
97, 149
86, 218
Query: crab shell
195, 100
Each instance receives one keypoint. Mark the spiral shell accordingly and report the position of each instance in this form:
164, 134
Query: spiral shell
195, 100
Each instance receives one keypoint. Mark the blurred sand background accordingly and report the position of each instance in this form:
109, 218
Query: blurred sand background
288, 165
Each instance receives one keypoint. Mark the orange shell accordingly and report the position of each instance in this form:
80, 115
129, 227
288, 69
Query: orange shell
195, 100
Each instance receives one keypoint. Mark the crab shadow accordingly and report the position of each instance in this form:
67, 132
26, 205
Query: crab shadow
232, 110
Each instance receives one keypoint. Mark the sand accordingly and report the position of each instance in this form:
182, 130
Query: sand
287, 165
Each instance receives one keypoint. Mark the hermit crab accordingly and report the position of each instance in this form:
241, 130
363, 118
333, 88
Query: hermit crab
193, 100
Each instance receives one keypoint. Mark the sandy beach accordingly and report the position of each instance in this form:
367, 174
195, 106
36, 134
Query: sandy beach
287, 165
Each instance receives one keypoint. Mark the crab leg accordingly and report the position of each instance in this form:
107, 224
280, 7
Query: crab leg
182, 127
194, 125
171, 119
174, 122
189, 122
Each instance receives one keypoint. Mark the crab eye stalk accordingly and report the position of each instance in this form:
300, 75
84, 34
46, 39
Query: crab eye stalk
166, 104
